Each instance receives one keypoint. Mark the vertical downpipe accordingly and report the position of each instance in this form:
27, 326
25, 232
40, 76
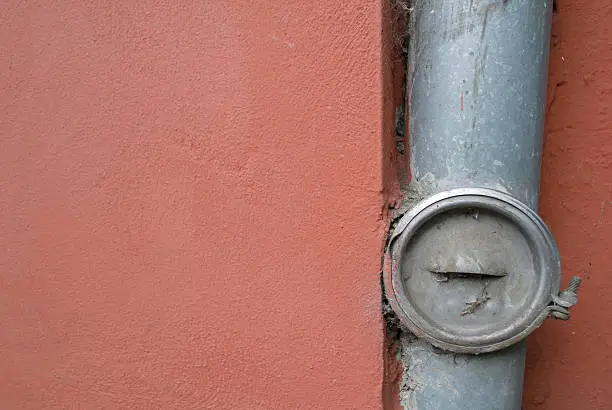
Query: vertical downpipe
477, 88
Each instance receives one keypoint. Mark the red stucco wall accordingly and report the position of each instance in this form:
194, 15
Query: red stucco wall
190, 204
569, 365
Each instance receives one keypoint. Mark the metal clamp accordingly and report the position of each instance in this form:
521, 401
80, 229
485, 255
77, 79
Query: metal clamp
475, 270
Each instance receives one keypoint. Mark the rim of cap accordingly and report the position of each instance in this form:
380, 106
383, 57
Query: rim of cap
529, 223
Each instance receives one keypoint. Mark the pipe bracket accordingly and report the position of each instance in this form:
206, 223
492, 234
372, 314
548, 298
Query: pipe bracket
474, 270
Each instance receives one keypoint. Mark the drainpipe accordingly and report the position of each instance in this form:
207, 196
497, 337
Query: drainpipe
476, 92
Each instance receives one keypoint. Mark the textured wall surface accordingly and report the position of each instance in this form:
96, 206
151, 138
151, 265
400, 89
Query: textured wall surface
190, 198
190, 204
569, 365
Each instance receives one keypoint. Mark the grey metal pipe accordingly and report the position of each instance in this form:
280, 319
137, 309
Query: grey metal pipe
477, 93
477, 90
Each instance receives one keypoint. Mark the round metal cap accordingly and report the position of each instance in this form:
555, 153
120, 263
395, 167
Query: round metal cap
472, 270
